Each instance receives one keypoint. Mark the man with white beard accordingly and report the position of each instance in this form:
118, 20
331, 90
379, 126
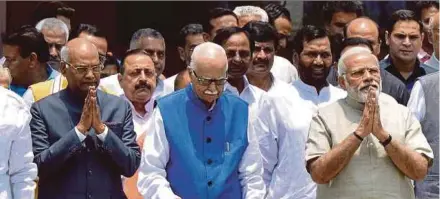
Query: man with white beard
365, 145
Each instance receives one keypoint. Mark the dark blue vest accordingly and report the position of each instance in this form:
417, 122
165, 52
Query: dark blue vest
205, 146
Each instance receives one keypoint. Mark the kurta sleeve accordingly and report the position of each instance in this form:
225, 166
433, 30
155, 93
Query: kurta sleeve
414, 137
250, 170
22, 170
416, 102
319, 140
152, 182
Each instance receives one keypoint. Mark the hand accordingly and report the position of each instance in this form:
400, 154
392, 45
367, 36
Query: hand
85, 122
378, 130
96, 113
366, 125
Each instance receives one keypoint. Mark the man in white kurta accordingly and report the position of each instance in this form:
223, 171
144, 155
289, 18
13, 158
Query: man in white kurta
17, 170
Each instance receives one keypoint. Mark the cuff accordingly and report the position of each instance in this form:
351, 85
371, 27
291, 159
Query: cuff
103, 135
81, 136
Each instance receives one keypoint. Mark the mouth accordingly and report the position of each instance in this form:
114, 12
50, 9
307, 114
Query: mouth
406, 51
368, 87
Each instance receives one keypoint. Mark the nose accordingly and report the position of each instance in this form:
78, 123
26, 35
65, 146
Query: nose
89, 74
261, 55
406, 41
318, 60
53, 51
155, 58
237, 57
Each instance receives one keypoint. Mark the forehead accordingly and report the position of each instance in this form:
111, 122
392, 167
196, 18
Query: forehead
55, 35
194, 39
224, 22
151, 43
83, 54
363, 30
265, 44
10, 50
138, 61
211, 68
343, 17
407, 27
237, 40
360, 60
282, 23
319, 44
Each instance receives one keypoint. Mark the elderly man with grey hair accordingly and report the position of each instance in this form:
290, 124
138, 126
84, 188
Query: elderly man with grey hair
201, 144
154, 44
366, 145
56, 34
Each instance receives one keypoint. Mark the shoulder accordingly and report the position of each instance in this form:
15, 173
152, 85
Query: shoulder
430, 77
337, 92
234, 99
330, 109
282, 61
11, 99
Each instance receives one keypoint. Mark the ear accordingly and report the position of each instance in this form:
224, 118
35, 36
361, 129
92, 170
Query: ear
119, 77
63, 68
423, 36
295, 59
206, 36
430, 37
387, 35
341, 82
181, 53
33, 59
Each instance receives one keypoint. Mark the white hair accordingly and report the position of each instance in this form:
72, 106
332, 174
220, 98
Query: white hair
53, 23
352, 51
241, 11
209, 50
64, 54
4, 72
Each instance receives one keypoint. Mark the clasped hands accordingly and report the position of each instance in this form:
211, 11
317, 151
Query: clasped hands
370, 121
91, 115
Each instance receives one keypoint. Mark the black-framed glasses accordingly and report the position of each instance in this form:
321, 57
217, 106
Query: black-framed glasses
208, 81
84, 69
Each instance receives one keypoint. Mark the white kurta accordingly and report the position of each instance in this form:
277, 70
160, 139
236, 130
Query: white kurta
17, 170
284, 70
169, 82
282, 145
416, 103
152, 182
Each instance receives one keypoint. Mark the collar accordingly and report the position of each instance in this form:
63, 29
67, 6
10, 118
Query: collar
229, 87
312, 89
197, 101
159, 89
418, 71
433, 63
149, 106
351, 102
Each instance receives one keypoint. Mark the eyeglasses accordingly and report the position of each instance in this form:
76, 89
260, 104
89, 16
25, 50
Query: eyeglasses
361, 72
84, 69
207, 81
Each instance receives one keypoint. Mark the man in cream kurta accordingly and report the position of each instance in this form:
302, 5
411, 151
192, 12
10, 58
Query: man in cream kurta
357, 153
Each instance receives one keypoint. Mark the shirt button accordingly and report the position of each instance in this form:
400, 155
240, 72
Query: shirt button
208, 118
90, 172
208, 140
90, 196
209, 161
209, 183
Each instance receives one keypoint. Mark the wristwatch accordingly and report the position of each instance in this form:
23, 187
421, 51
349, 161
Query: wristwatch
387, 141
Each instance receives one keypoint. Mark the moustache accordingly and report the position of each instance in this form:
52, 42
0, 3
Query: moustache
142, 86
366, 87
208, 92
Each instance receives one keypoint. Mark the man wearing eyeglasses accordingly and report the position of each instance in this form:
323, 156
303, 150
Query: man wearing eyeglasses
201, 144
365, 145
83, 139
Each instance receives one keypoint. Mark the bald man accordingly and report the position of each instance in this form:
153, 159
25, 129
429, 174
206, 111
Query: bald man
366, 28
81, 148
201, 144
434, 40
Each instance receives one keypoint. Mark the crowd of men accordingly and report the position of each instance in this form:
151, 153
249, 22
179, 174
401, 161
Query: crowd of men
258, 112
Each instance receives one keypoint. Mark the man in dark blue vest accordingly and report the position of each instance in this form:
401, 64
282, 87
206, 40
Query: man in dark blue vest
201, 144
